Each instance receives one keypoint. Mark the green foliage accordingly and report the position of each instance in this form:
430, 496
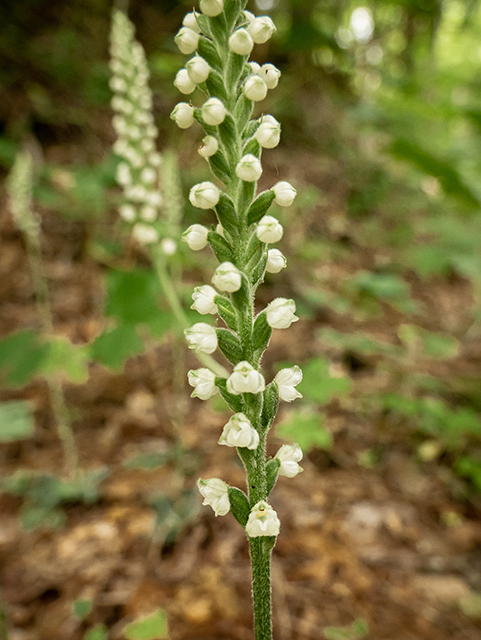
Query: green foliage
66, 359
81, 608
173, 514
357, 630
16, 420
21, 356
151, 627
305, 427
385, 287
99, 632
112, 348
318, 385
239, 505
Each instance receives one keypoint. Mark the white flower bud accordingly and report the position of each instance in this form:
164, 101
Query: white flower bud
245, 379
211, 8
249, 168
227, 277
286, 380
269, 229
196, 236
254, 66
155, 159
190, 21
209, 147
198, 69
119, 84
154, 198
203, 381
148, 175
124, 177
187, 40
127, 212
215, 494
201, 337
168, 246
241, 42
276, 261
204, 195
270, 74
268, 134
289, 455
183, 115
255, 88
249, 16
203, 298
239, 432
148, 213
183, 82
263, 521
261, 29
284, 193
144, 233
213, 111
136, 193
281, 313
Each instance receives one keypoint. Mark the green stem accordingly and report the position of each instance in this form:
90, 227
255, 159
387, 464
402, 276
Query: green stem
260, 551
179, 313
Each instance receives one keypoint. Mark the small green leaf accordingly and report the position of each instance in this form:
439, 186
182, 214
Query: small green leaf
261, 333
230, 345
226, 311
152, 627
219, 167
16, 420
272, 471
260, 206
114, 347
226, 214
306, 428
207, 50
239, 505
220, 247
21, 356
234, 402
133, 296
269, 405
318, 385
215, 86
70, 360
82, 607
38, 515
99, 632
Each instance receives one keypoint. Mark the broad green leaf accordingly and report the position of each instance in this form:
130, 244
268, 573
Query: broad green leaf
16, 420
39, 515
133, 296
440, 345
318, 385
307, 429
99, 632
152, 627
82, 607
70, 360
114, 347
21, 356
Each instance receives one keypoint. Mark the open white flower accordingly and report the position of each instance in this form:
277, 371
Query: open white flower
211, 8
269, 230
263, 521
204, 195
203, 381
281, 313
276, 261
183, 115
289, 455
261, 29
239, 432
187, 40
284, 193
213, 111
203, 298
215, 494
249, 168
196, 236
245, 379
241, 42
270, 74
286, 381
201, 337
209, 147
227, 277
198, 69
255, 88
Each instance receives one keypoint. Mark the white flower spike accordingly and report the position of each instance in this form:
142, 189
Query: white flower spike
203, 298
203, 381
245, 379
201, 337
281, 313
215, 494
196, 236
269, 230
227, 277
239, 432
289, 456
286, 381
263, 521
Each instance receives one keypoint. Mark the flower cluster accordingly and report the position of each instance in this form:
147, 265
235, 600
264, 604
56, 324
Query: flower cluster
233, 143
138, 169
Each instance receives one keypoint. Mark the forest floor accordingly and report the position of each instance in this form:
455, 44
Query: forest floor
396, 543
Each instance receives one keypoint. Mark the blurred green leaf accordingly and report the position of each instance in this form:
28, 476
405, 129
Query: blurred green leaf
318, 385
133, 296
306, 428
66, 358
16, 420
82, 607
21, 356
152, 627
33, 516
112, 348
99, 632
